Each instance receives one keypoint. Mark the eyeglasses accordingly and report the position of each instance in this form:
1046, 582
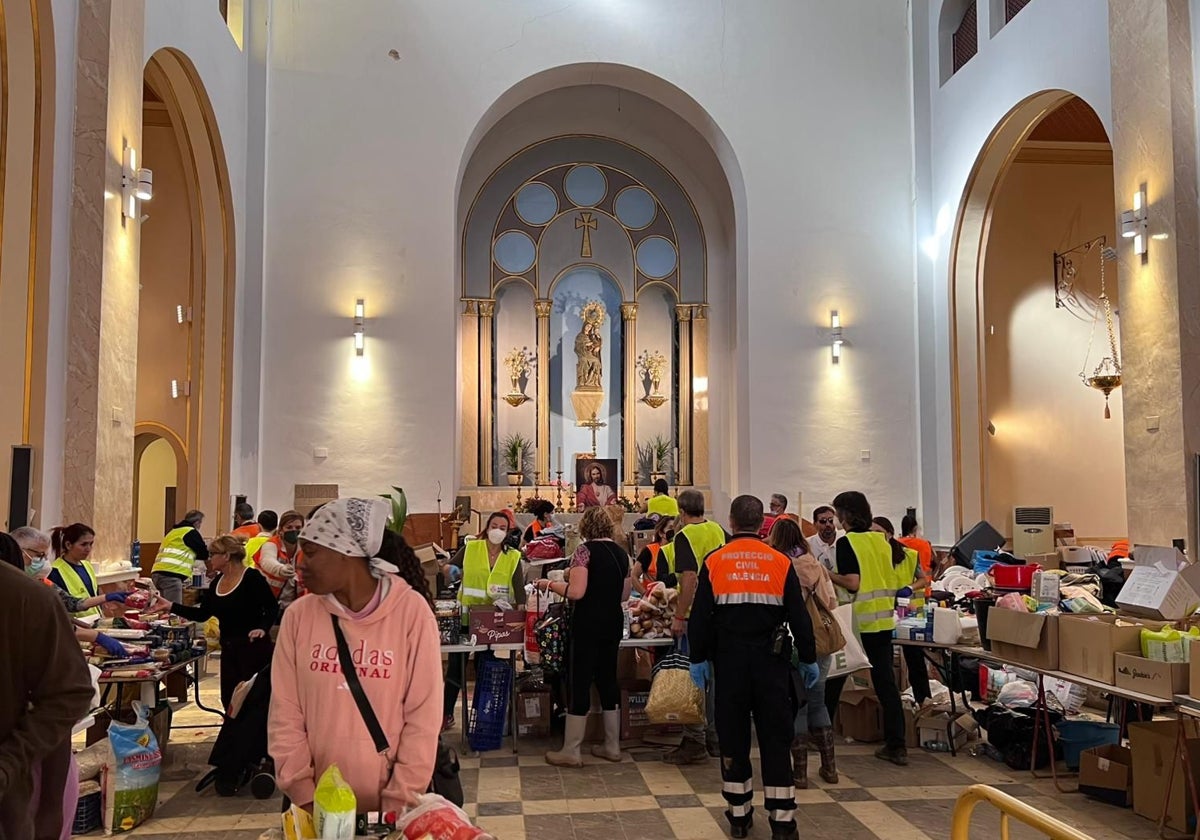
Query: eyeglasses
824, 521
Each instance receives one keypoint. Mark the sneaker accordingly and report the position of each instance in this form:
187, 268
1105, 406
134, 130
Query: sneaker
688, 752
896, 755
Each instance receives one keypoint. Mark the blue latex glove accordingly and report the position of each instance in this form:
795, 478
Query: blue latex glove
111, 645
811, 672
116, 596
702, 674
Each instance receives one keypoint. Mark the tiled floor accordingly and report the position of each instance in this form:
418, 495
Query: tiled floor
519, 796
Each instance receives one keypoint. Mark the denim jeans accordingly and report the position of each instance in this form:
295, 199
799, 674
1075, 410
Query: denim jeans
814, 714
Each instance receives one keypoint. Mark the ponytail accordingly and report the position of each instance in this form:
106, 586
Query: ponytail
64, 534
398, 552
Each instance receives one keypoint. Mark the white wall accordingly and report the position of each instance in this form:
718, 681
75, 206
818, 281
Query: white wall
365, 153
1049, 45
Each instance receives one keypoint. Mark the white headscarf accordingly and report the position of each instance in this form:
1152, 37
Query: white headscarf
353, 527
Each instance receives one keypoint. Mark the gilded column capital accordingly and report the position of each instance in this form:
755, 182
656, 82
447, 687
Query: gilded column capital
629, 311
700, 312
487, 308
470, 306
683, 311
543, 307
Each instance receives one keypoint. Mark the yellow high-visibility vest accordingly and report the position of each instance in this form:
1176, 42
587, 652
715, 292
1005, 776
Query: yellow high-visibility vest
72, 577
875, 601
481, 583
174, 556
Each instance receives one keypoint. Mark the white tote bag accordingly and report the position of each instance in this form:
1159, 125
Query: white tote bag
851, 658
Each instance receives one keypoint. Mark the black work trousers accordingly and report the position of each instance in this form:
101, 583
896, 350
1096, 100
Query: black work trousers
918, 672
878, 647
591, 660
754, 683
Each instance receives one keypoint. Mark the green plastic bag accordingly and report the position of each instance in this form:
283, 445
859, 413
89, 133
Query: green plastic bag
335, 807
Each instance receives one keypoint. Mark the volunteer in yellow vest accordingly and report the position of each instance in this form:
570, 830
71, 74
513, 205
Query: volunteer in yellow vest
747, 594
180, 549
693, 542
661, 503
658, 553
867, 566
268, 521
910, 577
71, 571
491, 572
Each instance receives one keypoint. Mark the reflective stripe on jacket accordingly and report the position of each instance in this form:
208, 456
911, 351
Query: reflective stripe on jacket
174, 555
875, 601
482, 583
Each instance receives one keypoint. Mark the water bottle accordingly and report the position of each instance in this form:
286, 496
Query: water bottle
135, 554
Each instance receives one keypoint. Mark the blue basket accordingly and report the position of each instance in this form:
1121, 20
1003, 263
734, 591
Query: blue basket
983, 560
1079, 735
493, 684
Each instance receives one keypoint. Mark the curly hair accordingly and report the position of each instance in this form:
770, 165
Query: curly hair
396, 550
230, 545
596, 524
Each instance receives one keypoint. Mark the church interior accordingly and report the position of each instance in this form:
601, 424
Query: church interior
281, 253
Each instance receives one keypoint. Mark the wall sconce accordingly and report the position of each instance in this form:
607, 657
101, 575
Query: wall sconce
835, 335
178, 388
137, 185
360, 314
1135, 223
183, 314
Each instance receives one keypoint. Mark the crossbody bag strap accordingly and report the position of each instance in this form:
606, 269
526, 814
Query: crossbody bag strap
360, 696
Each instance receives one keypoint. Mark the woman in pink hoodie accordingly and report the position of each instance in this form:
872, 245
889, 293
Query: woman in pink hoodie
367, 580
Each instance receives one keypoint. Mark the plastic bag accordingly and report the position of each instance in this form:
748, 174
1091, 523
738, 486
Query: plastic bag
212, 633
1012, 601
335, 808
1168, 644
1017, 694
131, 773
437, 817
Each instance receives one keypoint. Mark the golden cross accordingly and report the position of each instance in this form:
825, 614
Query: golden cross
588, 224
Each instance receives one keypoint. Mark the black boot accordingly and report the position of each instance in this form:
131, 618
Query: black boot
740, 826
785, 833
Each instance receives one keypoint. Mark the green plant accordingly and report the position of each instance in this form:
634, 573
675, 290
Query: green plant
399, 509
517, 449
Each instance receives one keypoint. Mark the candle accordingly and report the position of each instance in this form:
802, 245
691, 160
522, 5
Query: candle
676, 463
560, 459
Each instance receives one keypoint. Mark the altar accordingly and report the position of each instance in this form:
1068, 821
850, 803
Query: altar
584, 331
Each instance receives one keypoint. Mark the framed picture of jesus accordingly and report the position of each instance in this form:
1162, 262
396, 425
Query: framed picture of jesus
595, 482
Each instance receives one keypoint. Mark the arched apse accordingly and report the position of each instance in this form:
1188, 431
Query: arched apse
27, 81
188, 269
655, 120
994, 430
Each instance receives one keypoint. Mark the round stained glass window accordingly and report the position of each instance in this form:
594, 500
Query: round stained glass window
635, 207
585, 185
536, 203
514, 252
656, 257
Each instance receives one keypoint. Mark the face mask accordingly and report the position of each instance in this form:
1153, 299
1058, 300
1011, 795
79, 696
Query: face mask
497, 535
37, 567
291, 537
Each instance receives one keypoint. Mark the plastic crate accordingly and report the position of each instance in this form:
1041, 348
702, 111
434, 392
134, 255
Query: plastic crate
87, 814
489, 712
1079, 735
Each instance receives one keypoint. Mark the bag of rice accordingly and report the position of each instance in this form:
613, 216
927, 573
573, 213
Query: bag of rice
130, 777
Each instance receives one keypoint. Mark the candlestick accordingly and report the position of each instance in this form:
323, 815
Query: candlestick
558, 500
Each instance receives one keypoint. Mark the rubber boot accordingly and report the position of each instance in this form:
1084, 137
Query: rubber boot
569, 756
611, 748
822, 739
800, 761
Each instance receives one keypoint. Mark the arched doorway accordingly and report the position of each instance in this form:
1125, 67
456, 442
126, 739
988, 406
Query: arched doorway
26, 165
660, 223
185, 327
1029, 259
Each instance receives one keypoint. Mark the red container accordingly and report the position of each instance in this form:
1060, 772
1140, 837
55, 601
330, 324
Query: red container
1013, 577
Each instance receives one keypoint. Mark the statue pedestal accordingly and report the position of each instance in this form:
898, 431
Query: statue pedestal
587, 402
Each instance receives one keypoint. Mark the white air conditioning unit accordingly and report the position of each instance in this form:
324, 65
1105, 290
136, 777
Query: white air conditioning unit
1033, 531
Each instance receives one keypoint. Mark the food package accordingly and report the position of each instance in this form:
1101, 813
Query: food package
435, 818
298, 824
335, 807
650, 616
131, 773
90, 760
138, 599
1168, 644
212, 634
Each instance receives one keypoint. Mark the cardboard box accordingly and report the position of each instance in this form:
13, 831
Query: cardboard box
911, 737
860, 716
937, 727
533, 713
1046, 561
1087, 644
633, 710
1106, 773
634, 664
497, 627
1162, 585
1149, 676
1074, 556
1025, 638
1153, 746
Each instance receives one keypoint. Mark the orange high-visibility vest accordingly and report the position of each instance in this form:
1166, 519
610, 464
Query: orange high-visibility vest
650, 573
276, 583
748, 571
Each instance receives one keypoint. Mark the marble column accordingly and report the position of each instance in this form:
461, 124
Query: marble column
629, 464
469, 394
683, 321
487, 403
542, 309
105, 248
1154, 146
699, 450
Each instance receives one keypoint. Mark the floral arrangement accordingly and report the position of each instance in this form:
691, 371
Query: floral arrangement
519, 361
652, 364
627, 503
